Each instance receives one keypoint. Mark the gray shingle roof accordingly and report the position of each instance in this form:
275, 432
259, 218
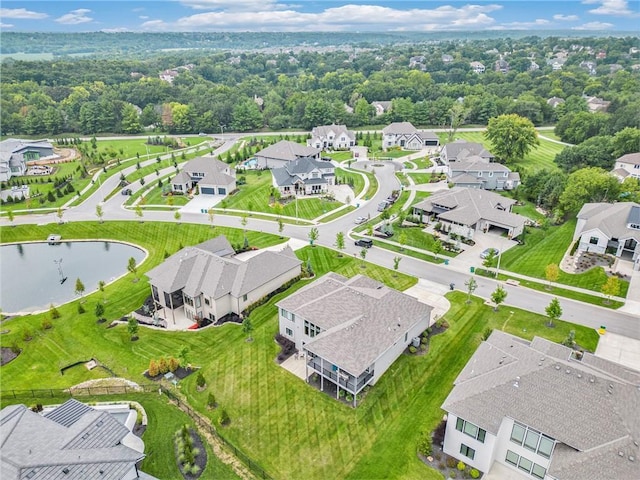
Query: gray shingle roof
361, 318
323, 131
399, 128
476, 163
72, 447
296, 169
611, 218
460, 149
584, 405
11, 145
288, 151
181, 178
632, 158
207, 164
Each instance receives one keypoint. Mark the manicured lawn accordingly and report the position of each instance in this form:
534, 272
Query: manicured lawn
338, 156
528, 210
419, 178
392, 154
423, 162
351, 178
155, 197
338, 214
289, 428
403, 178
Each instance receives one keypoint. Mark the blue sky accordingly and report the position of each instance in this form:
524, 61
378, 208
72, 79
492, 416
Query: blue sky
311, 15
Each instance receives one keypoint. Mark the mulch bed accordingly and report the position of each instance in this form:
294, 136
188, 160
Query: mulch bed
7, 355
229, 318
148, 311
181, 373
139, 429
287, 348
200, 459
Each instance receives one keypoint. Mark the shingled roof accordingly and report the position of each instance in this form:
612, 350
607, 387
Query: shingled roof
611, 218
590, 407
287, 151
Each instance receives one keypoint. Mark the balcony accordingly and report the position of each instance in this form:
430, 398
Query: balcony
339, 377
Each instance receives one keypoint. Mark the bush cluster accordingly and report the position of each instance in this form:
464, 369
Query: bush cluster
186, 452
162, 366
425, 445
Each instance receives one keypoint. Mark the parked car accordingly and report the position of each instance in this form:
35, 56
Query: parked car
382, 206
363, 242
485, 253
202, 134
360, 220
126, 191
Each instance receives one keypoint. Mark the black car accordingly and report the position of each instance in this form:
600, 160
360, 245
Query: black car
363, 242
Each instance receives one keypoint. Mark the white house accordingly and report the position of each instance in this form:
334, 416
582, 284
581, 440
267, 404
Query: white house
627, 165
476, 172
15, 153
477, 67
407, 137
212, 176
208, 281
332, 136
524, 409
351, 330
283, 152
304, 176
610, 228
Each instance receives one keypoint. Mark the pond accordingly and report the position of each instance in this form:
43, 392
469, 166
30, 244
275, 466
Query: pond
31, 274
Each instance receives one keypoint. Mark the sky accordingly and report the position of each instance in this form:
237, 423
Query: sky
313, 15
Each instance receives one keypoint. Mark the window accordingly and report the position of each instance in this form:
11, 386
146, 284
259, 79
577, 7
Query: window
155, 293
517, 433
512, 458
546, 446
207, 302
634, 226
491, 174
470, 429
538, 471
525, 464
467, 451
531, 440
479, 174
244, 298
198, 302
593, 240
289, 332
459, 424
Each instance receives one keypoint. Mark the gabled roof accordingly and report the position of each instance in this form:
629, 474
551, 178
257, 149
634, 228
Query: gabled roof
12, 145
292, 172
399, 128
217, 178
323, 131
460, 149
288, 151
72, 442
361, 318
476, 163
181, 178
611, 219
201, 269
467, 206
632, 158
208, 164
589, 407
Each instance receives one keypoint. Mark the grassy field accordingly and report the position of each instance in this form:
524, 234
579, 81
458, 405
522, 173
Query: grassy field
291, 429
419, 178
545, 246
155, 197
538, 159
338, 156
345, 176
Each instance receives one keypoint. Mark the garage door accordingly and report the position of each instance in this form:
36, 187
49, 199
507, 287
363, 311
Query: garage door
222, 191
431, 143
208, 191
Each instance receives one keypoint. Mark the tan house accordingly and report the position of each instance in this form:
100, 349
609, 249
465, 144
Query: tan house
627, 166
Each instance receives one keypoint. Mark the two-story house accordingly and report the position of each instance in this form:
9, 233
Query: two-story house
208, 281
304, 176
475, 172
477, 67
351, 330
627, 165
15, 153
407, 137
212, 177
523, 410
283, 152
459, 150
332, 136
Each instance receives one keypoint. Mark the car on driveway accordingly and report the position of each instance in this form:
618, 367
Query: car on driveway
486, 252
360, 220
126, 191
365, 243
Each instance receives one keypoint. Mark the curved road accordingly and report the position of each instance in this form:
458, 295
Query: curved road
521, 297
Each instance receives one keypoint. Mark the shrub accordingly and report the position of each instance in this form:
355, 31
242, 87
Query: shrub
153, 368
413, 349
200, 381
194, 470
81, 309
341, 393
424, 340
453, 474
46, 324
27, 335
349, 398
437, 456
425, 446
173, 364
163, 366
224, 418
211, 400
451, 462
461, 466
474, 473
15, 348
53, 311
423, 347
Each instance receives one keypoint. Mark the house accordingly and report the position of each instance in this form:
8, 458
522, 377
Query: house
15, 153
601, 55
477, 67
408, 137
208, 281
627, 165
212, 176
465, 211
589, 66
596, 104
529, 409
283, 152
350, 330
501, 66
332, 136
475, 172
533, 66
553, 102
446, 58
459, 150
304, 176
381, 107
417, 61
610, 228
73, 441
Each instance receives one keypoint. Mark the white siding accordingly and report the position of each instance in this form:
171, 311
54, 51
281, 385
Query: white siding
484, 456
586, 245
504, 443
267, 288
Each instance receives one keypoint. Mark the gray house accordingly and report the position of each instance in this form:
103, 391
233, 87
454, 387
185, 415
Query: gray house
351, 330
212, 176
407, 137
332, 136
72, 442
208, 281
465, 211
476, 172
522, 410
304, 176
283, 152
459, 150
15, 153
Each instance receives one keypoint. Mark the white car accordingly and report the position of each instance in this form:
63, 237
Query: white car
360, 220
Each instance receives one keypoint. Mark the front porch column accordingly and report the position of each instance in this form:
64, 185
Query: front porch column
321, 374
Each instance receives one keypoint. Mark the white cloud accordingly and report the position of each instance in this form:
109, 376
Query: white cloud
525, 25
138, 9
144, 17
21, 13
75, 17
594, 26
234, 5
5, 25
565, 18
610, 7
343, 18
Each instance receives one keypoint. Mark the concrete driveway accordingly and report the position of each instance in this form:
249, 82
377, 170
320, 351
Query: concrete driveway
201, 202
619, 349
471, 255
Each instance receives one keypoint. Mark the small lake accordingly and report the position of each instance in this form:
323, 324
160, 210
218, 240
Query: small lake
30, 273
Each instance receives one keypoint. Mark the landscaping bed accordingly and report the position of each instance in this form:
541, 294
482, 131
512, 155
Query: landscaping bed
8, 354
191, 453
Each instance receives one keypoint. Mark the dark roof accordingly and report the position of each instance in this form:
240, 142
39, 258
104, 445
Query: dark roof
68, 413
287, 151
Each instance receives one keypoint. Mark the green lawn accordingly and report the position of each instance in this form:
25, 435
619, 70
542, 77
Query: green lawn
538, 159
155, 197
289, 428
419, 178
423, 162
340, 156
352, 178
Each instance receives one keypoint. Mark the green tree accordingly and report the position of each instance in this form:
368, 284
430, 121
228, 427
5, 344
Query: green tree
101, 285
498, 296
363, 256
11, 217
396, 264
588, 185
246, 116
511, 136
554, 311
471, 285
491, 260
139, 213
247, 327
79, 288
280, 226
402, 240
626, 141
133, 268
132, 328
99, 310
551, 273
99, 212
244, 220
177, 216
457, 116
59, 214
611, 288
437, 247
130, 122
313, 235
340, 242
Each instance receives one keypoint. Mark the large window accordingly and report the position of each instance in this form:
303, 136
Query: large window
532, 440
471, 430
593, 240
467, 451
310, 329
525, 465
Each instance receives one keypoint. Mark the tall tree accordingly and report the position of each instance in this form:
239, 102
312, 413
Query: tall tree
588, 185
313, 235
498, 296
130, 122
79, 290
611, 288
396, 264
551, 273
511, 136
554, 311
340, 242
471, 285
133, 268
